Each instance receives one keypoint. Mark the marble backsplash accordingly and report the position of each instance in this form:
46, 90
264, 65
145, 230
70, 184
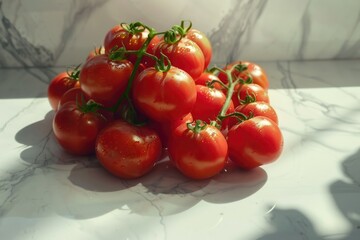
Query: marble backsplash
36, 33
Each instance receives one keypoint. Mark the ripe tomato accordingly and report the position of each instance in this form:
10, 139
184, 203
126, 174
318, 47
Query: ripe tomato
247, 93
164, 96
256, 109
185, 54
76, 130
73, 95
59, 85
105, 80
128, 151
209, 102
198, 154
203, 42
118, 37
206, 77
256, 72
254, 142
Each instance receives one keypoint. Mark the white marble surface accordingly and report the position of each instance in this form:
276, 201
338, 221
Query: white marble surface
61, 33
311, 192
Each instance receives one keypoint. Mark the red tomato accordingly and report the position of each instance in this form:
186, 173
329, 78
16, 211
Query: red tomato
118, 37
254, 142
58, 86
249, 93
76, 130
198, 155
209, 102
128, 151
104, 80
256, 72
203, 42
207, 77
164, 96
73, 95
184, 54
256, 109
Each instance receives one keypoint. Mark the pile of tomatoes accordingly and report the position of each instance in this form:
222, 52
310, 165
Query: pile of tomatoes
144, 93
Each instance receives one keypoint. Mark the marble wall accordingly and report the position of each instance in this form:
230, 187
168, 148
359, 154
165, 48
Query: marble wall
61, 33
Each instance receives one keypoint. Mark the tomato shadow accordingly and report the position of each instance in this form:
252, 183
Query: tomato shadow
346, 194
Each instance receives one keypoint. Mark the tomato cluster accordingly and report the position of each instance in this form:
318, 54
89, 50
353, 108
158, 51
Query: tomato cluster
144, 92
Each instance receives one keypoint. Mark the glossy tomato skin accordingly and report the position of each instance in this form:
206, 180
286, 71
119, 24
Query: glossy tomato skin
256, 109
73, 95
254, 142
198, 155
118, 37
203, 42
209, 102
185, 55
252, 90
164, 96
104, 80
128, 151
75, 130
58, 86
257, 73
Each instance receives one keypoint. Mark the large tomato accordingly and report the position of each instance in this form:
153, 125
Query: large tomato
75, 129
164, 96
256, 72
184, 54
59, 85
104, 80
254, 142
209, 102
118, 37
128, 151
198, 154
203, 42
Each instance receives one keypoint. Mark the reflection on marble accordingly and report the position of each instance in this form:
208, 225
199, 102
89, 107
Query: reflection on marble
311, 192
58, 33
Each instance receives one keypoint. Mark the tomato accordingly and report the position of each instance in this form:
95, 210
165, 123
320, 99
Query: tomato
209, 102
76, 130
128, 151
185, 54
254, 142
249, 93
203, 42
206, 77
198, 155
105, 80
257, 73
118, 37
73, 95
164, 96
256, 109
59, 85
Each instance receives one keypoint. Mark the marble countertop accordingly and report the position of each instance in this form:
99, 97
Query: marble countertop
311, 192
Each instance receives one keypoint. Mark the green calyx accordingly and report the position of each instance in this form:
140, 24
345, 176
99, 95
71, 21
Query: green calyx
196, 126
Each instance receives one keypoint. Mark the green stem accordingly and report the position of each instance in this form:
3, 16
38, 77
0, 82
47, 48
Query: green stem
140, 53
